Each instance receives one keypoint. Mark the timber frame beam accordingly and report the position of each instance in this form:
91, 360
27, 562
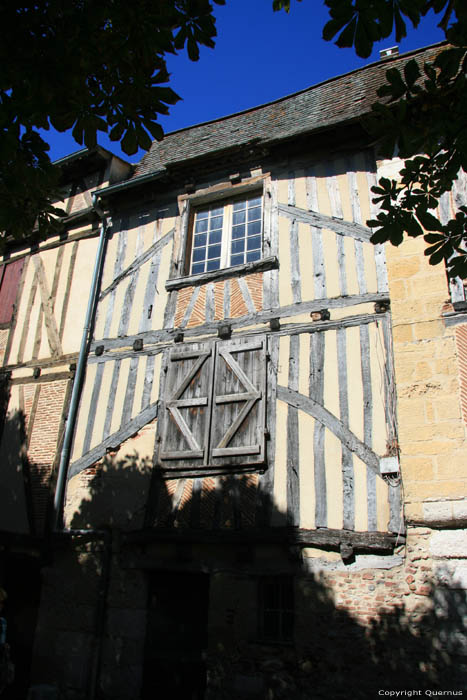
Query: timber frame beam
322, 537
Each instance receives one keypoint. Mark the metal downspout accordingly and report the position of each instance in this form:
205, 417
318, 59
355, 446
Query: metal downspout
78, 381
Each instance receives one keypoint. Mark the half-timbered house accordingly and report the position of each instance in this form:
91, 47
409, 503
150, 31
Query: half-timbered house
235, 502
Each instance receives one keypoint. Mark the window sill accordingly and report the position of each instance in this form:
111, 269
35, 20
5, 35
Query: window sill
271, 263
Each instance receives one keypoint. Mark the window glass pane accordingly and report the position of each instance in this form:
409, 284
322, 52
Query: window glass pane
254, 242
239, 217
254, 227
215, 237
254, 213
238, 231
217, 212
238, 246
213, 265
199, 254
196, 268
254, 255
255, 202
216, 222
201, 225
214, 251
202, 214
237, 259
239, 205
200, 240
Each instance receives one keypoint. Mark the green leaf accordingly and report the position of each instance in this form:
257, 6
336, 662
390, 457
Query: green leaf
346, 37
411, 72
129, 142
428, 221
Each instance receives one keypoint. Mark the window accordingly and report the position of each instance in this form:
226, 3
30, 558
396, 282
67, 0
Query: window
212, 408
226, 234
276, 609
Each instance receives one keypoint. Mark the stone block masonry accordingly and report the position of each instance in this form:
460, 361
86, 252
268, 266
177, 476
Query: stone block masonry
431, 379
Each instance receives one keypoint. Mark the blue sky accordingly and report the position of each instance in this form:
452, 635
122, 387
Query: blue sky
260, 56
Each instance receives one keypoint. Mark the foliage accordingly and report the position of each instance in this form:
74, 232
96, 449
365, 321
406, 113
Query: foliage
421, 117
87, 66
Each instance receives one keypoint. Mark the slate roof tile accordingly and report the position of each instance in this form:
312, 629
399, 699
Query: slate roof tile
341, 99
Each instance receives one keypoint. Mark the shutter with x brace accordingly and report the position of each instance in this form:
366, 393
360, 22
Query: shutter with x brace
183, 430
213, 405
238, 406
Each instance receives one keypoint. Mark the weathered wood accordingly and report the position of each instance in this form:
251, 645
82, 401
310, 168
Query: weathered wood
130, 390
304, 403
190, 306
47, 307
118, 266
293, 448
274, 246
270, 263
226, 301
238, 420
170, 308
337, 211
44, 363
294, 245
127, 305
27, 319
188, 378
148, 381
316, 391
267, 252
32, 415
323, 537
246, 295
124, 354
66, 296
265, 316
380, 256
266, 481
348, 488
43, 379
319, 268
149, 302
343, 228
115, 440
53, 296
138, 262
38, 335
14, 319
368, 424
210, 303
357, 217
394, 495
111, 400
96, 391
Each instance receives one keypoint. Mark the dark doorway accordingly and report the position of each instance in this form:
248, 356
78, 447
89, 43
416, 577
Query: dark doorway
20, 576
176, 636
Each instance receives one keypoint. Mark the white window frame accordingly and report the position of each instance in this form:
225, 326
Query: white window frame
227, 206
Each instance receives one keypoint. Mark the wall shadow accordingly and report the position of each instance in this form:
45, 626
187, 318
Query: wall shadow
217, 531
20, 550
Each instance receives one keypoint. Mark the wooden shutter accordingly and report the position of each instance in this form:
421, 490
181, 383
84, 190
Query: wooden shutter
9, 280
185, 409
238, 410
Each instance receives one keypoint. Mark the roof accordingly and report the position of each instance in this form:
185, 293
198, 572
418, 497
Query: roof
323, 106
